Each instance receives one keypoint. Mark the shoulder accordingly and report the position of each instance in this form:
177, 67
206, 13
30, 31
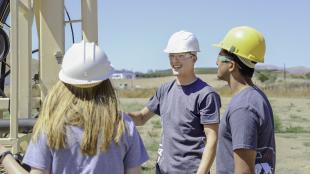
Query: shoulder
251, 101
167, 85
127, 119
204, 87
165, 88
251, 98
39, 139
206, 91
129, 124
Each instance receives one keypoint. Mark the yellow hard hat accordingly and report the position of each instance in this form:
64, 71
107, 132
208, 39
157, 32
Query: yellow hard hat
245, 42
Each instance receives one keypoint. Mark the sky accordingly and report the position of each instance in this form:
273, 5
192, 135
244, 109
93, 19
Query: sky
134, 33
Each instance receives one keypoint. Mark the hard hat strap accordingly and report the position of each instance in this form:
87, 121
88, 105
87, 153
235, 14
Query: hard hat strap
247, 62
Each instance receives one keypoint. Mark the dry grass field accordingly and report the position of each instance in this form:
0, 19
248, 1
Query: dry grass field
147, 83
292, 119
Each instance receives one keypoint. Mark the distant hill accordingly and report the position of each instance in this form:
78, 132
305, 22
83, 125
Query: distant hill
267, 67
198, 70
208, 70
213, 70
298, 70
292, 70
168, 72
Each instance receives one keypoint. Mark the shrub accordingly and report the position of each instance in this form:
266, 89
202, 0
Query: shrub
266, 76
296, 129
262, 76
277, 123
307, 144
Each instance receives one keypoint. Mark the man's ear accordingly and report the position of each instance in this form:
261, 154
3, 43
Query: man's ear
232, 66
194, 58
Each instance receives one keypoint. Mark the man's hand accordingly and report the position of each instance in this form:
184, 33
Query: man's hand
141, 117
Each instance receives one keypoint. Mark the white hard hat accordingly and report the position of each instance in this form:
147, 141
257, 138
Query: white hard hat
181, 42
85, 64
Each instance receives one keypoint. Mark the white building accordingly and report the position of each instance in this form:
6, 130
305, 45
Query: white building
123, 74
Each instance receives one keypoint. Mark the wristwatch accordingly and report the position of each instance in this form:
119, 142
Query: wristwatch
3, 154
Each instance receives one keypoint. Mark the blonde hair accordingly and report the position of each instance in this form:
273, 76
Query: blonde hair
94, 109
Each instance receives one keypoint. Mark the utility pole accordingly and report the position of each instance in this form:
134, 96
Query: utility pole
284, 78
284, 73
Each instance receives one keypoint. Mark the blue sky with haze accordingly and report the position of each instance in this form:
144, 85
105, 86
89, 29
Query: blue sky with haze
133, 33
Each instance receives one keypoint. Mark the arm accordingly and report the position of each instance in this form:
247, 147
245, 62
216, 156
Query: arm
245, 126
12, 167
141, 117
244, 161
134, 170
210, 148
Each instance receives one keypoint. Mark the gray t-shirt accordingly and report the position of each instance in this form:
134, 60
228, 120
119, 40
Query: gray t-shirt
183, 111
247, 124
128, 154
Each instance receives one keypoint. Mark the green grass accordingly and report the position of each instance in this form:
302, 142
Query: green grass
288, 135
148, 170
156, 124
291, 129
277, 123
153, 146
153, 133
130, 107
307, 144
297, 118
136, 93
224, 91
290, 90
295, 129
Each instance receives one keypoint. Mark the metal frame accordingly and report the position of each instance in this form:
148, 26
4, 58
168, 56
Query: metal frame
14, 75
49, 17
25, 55
51, 42
89, 20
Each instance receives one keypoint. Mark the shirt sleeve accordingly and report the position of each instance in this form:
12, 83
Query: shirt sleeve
209, 109
38, 155
244, 124
136, 153
154, 103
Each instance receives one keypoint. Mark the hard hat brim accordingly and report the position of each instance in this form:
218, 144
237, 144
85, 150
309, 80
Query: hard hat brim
64, 78
183, 51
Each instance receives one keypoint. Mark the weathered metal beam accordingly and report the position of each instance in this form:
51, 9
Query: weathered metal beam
25, 58
4, 103
23, 124
14, 71
51, 42
89, 20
